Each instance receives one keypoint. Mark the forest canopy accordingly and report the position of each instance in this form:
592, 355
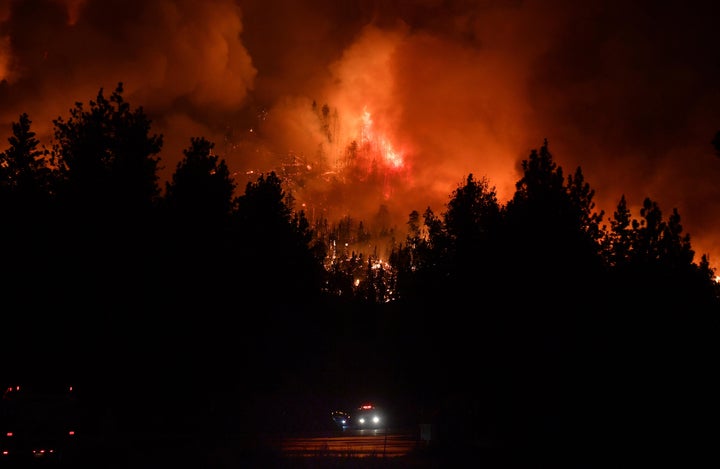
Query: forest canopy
100, 262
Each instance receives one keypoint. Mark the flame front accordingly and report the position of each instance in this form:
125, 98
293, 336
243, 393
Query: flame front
390, 156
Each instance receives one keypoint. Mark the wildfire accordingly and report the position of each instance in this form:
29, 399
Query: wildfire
392, 158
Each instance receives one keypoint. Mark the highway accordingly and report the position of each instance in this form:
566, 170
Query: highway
351, 444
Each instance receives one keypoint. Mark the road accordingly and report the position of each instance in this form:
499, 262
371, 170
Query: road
351, 443
235, 451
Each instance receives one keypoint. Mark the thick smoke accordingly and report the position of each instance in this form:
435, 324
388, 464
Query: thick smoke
626, 90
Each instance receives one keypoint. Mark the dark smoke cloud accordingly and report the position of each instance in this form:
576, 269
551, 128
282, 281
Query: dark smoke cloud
626, 90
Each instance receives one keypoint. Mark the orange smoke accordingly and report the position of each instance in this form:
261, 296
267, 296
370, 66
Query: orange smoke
451, 88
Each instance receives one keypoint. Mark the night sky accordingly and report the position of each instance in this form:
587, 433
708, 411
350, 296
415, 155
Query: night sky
627, 90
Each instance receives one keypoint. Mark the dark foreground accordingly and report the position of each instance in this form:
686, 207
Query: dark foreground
250, 453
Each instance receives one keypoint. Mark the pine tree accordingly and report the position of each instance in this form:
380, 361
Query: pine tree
201, 190
275, 243
26, 221
618, 242
26, 173
108, 193
108, 158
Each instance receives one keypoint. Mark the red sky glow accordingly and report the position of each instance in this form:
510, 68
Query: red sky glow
627, 90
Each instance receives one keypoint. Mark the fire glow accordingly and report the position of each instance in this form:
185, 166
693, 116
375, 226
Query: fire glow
391, 157
428, 91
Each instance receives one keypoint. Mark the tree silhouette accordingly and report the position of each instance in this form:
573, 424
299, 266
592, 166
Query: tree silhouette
201, 189
589, 220
108, 157
107, 193
619, 240
25, 170
273, 239
472, 222
26, 223
651, 254
535, 216
532, 317
552, 235
196, 211
541, 185
277, 287
423, 261
663, 337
